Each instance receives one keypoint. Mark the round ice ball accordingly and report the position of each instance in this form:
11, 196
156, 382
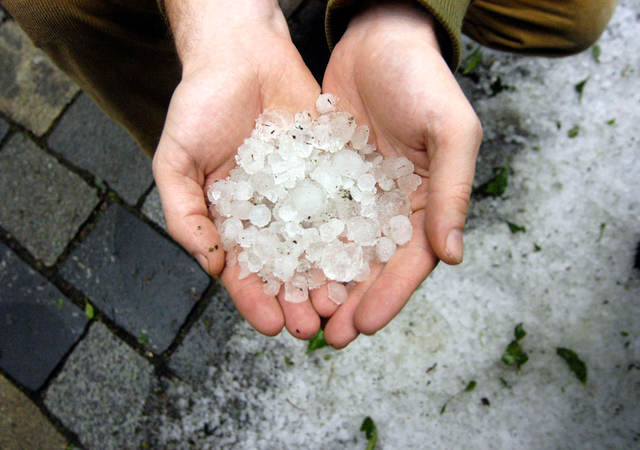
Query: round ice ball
308, 198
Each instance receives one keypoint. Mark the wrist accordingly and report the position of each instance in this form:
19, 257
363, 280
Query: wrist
206, 30
392, 21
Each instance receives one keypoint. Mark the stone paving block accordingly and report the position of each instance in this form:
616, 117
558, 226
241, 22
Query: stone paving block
142, 281
38, 325
152, 208
33, 91
101, 391
22, 424
205, 346
86, 137
48, 203
4, 127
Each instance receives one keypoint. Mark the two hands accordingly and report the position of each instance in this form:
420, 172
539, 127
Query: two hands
239, 60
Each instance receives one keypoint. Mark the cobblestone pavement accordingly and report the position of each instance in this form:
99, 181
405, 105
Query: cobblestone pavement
86, 288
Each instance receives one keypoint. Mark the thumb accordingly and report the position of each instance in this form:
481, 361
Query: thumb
183, 202
451, 168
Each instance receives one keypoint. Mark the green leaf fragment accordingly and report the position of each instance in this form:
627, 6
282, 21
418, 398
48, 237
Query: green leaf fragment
316, 342
88, 310
519, 332
504, 383
611, 121
516, 228
580, 87
573, 131
472, 60
595, 52
624, 334
514, 355
471, 386
536, 247
288, 361
60, 303
444, 408
576, 365
143, 339
498, 184
370, 431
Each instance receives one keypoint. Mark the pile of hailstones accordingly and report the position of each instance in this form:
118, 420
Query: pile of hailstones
311, 203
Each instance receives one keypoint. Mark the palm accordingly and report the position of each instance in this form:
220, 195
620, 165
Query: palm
211, 113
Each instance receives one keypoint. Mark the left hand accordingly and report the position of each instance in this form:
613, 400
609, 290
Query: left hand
388, 71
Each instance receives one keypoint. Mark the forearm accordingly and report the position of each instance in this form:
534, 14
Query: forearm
201, 28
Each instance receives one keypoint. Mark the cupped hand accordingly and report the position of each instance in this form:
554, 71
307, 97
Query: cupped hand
388, 71
227, 82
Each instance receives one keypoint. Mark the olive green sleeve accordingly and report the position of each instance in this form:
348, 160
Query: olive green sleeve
447, 13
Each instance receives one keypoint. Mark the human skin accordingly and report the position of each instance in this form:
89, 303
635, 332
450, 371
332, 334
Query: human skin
388, 71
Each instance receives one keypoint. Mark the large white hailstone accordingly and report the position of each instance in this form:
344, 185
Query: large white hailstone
260, 215
308, 198
385, 248
400, 229
311, 203
326, 103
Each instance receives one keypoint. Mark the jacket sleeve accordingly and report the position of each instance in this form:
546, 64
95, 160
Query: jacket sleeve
448, 14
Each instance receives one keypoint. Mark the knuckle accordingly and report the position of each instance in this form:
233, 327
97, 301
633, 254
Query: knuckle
459, 196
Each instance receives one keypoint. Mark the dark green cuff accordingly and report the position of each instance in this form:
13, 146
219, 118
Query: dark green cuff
448, 14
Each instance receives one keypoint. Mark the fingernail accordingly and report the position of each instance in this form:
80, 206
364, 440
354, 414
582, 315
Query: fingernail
454, 246
204, 262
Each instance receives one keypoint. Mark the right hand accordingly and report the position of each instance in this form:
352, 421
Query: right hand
238, 60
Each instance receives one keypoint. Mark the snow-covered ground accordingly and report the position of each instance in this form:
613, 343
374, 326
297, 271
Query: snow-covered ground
569, 278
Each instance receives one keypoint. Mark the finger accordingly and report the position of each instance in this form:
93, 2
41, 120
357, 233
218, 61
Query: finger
452, 152
399, 278
341, 329
262, 311
185, 210
300, 319
321, 302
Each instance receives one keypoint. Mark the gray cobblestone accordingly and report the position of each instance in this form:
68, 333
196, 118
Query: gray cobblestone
33, 91
152, 208
38, 325
48, 203
86, 137
142, 281
101, 391
4, 127
204, 348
